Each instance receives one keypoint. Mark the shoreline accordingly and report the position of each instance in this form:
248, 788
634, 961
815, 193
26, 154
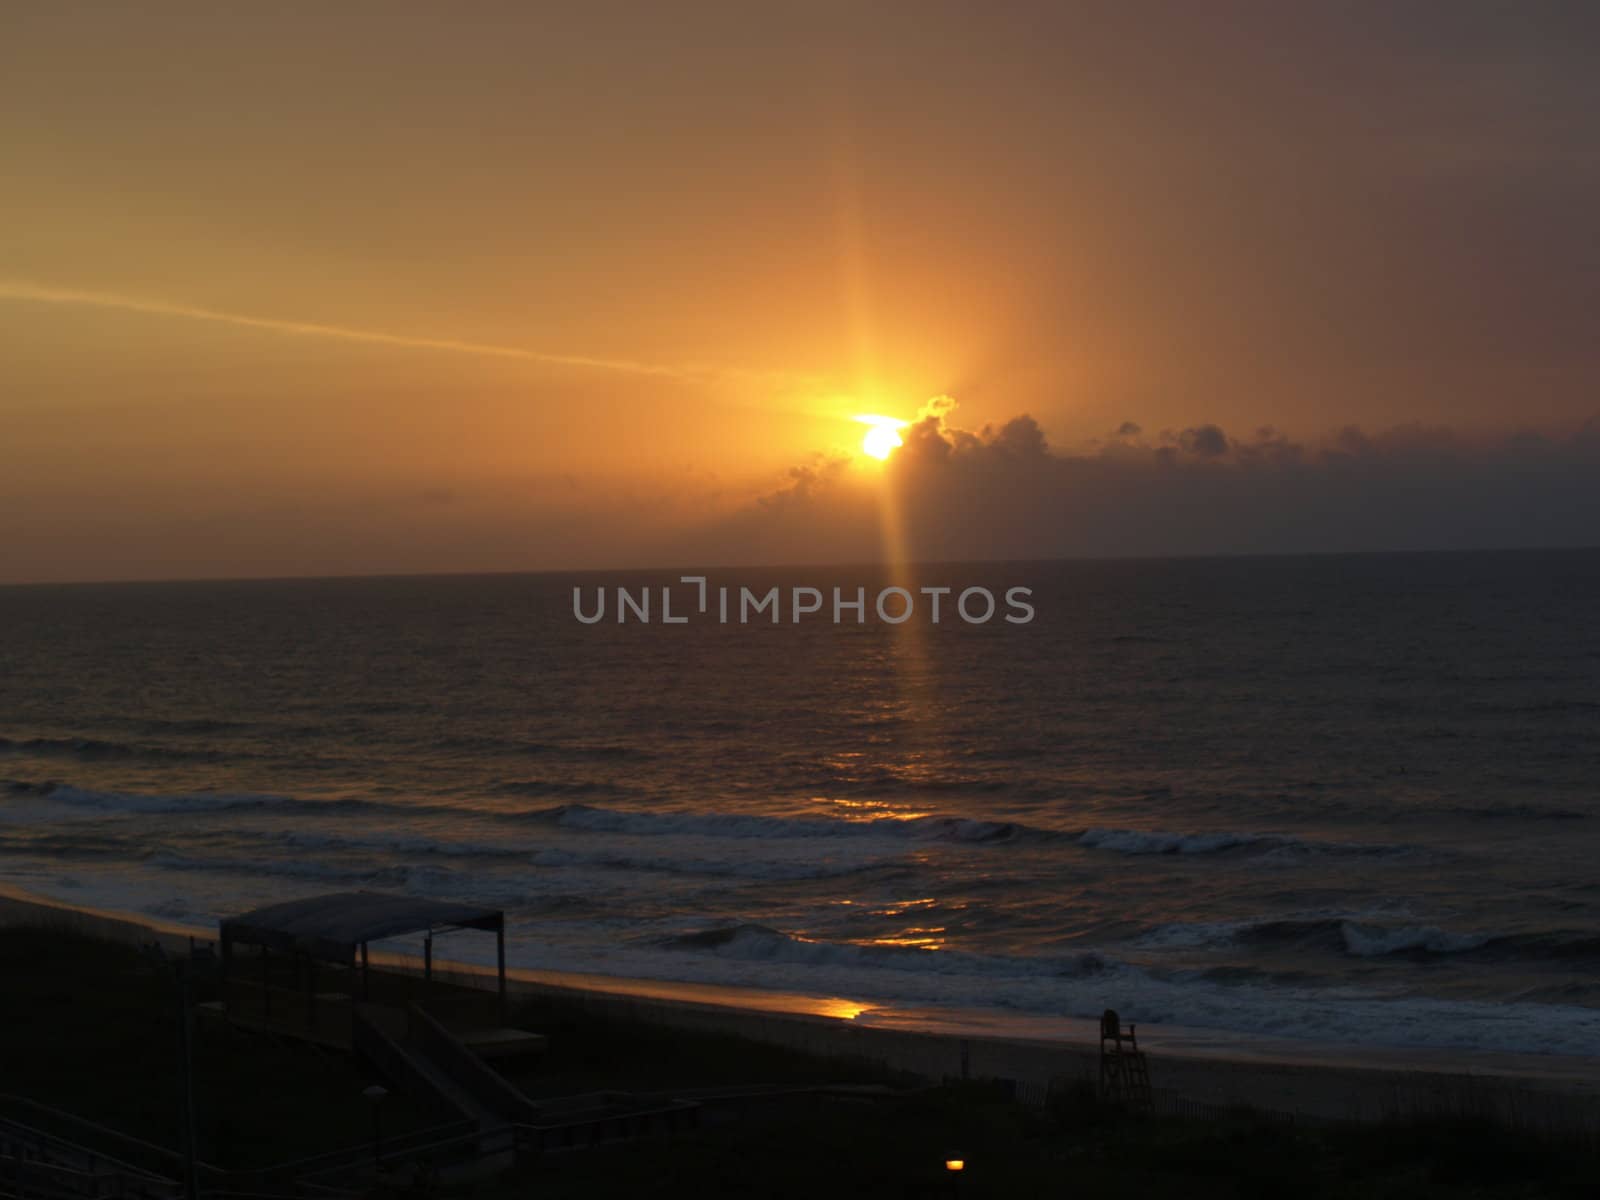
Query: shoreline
1190, 1068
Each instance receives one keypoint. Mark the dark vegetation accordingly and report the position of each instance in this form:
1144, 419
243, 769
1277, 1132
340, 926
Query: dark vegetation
91, 1028
591, 1051
860, 1147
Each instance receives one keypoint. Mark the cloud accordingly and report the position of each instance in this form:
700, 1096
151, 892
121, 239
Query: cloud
803, 483
1207, 441
1003, 492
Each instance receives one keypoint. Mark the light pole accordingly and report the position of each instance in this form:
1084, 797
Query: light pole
375, 1097
191, 1148
185, 1048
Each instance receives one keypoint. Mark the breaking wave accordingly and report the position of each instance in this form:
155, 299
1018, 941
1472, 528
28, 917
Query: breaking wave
758, 943
1360, 937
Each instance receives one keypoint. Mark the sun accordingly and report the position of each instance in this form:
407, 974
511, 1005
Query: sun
882, 437
880, 442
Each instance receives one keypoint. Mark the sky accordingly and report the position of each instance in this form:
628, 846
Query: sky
308, 289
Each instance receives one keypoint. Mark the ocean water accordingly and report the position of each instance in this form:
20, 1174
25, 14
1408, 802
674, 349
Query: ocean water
1339, 798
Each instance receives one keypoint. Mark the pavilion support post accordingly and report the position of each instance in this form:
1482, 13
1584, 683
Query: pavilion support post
226, 964
427, 958
266, 982
311, 992
366, 974
500, 965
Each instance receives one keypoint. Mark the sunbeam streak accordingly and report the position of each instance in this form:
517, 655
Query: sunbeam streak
29, 292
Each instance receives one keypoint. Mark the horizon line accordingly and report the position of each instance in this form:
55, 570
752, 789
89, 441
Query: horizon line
506, 573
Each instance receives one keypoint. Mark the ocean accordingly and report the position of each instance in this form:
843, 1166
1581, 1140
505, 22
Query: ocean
1352, 799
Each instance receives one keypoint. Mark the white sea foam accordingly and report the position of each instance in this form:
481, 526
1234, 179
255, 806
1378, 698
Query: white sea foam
1373, 941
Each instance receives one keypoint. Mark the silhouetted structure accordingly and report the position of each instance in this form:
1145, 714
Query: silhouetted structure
334, 930
1124, 1074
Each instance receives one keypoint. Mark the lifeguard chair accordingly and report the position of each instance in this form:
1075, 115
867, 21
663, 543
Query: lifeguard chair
1124, 1075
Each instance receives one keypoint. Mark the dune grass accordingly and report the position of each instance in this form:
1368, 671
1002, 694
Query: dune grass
851, 1147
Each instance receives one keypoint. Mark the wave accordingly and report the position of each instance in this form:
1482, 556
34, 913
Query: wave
534, 788
93, 802
1151, 841
377, 872
1341, 934
385, 842
810, 777
798, 867
1517, 812
521, 895
582, 817
1560, 705
1378, 941
638, 823
414, 879
165, 725
88, 800
1360, 937
97, 750
311, 853
391, 876
758, 943
734, 825
1565, 946
28, 787
805, 867
62, 847
512, 747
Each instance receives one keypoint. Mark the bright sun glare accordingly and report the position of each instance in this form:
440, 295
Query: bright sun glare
882, 437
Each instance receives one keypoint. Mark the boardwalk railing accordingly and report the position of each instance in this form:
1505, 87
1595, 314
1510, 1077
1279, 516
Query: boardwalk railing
91, 1138
38, 1164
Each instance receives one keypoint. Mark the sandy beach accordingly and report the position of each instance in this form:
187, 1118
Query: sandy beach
1192, 1070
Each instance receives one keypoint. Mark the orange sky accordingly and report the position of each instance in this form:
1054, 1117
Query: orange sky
301, 288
